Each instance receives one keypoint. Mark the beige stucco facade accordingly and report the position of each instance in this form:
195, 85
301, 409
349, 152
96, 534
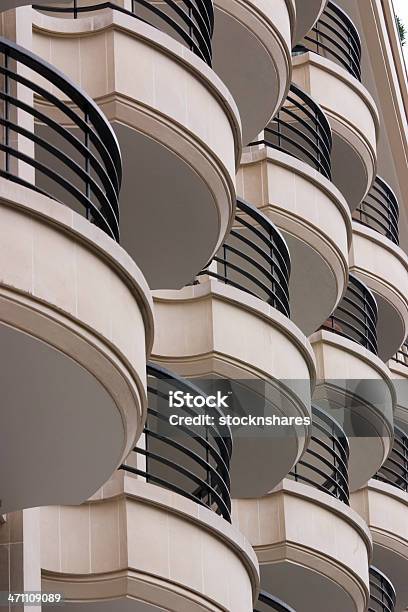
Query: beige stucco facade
179, 182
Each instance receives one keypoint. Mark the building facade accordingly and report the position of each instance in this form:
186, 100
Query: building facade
203, 247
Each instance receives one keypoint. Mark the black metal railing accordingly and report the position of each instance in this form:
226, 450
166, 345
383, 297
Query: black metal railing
191, 460
302, 130
336, 37
401, 356
325, 462
266, 602
191, 22
382, 593
395, 469
60, 145
380, 210
356, 316
254, 258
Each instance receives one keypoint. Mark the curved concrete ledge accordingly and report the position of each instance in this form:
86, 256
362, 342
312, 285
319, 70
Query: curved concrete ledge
259, 33
307, 13
355, 387
385, 508
146, 547
383, 267
354, 120
179, 167
311, 547
76, 324
316, 222
212, 330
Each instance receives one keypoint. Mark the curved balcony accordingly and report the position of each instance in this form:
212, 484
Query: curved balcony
260, 34
324, 465
255, 259
328, 552
190, 22
376, 259
328, 65
383, 505
336, 37
86, 169
190, 461
266, 602
356, 316
286, 173
177, 167
306, 16
145, 549
380, 211
302, 130
353, 383
394, 470
225, 327
76, 313
382, 593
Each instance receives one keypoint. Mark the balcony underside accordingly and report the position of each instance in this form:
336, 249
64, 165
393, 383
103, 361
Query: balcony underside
307, 13
215, 331
252, 54
68, 361
354, 386
178, 168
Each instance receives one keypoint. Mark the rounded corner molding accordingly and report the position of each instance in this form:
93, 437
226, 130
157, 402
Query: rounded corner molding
197, 542
160, 119
215, 349
77, 321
